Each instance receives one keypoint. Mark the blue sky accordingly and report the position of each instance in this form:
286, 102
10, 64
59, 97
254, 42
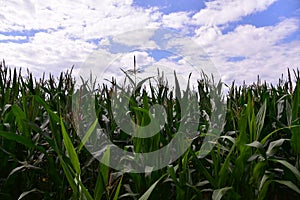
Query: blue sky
242, 38
168, 7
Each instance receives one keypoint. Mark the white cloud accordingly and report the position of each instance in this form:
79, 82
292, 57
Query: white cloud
220, 12
50, 52
82, 18
139, 37
11, 37
247, 40
176, 20
65, 29
207, 34
193, 54
262, 48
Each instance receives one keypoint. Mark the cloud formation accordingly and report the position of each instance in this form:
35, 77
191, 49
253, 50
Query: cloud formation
53, 35
260, 49
220, 12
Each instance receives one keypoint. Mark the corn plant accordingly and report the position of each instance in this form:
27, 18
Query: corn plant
256, 155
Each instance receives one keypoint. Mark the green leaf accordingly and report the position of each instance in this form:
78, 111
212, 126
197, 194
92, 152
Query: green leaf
263, 141
274, 144
224, 171
86, 193
289, 184
258, 171
295, 139
255, 144
17, 138
100, 185
20, 119
264, 187
46, 106
68, 173
200, 165
130, 79
218, 194
177, 87
28, 192
20, 115
289, 166
143, 81
263, 181
295, 102
105, 160
147, 194
70, 148
173, 175
103, 175
288, 111
118, 189
260, 118
25, 165
228, 137
87, 135
16, 170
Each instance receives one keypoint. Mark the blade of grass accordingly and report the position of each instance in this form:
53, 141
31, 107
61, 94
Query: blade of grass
68, 173
118, 189
289, 166
103, 175
260, 119
70, 149
147, 194
289, 184
219, 193
87, 135
17, 138
28, 192
295, 139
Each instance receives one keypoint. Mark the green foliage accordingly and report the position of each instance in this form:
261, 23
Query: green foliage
42, 157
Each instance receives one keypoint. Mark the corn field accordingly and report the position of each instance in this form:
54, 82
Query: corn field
42, 157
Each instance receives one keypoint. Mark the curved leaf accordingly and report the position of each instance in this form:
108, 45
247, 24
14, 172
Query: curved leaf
218, 194
28, 192
147, 194
289, 166
17, 138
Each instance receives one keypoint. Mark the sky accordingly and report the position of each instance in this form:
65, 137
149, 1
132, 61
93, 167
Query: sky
241, 38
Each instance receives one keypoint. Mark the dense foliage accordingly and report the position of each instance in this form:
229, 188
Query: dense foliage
256, 156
